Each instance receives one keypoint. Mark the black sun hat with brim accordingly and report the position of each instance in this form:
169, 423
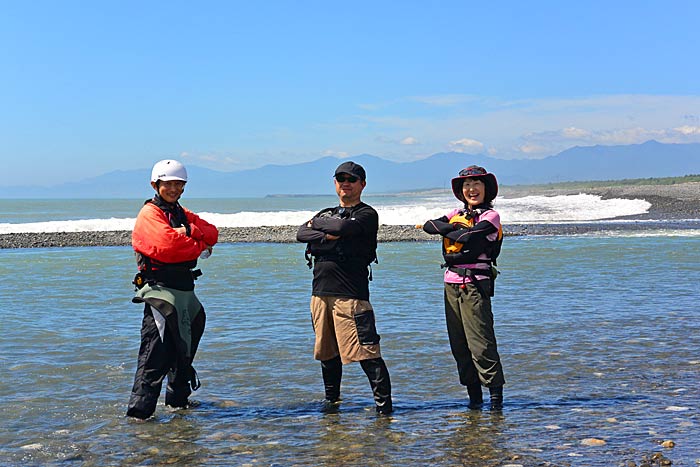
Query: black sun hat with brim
474, 171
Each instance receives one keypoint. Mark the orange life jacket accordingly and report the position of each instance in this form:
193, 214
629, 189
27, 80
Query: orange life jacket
455, 253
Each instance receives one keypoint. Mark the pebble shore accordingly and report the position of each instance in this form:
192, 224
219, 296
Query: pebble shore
672, 205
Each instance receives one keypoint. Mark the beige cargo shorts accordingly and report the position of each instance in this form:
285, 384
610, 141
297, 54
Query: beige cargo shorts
345, 327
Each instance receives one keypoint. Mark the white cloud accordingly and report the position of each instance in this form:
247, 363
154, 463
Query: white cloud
334, 153
411, 128
447, 100
688, 130
533, 127
530, 148
553, 141
213, 158
406, 141
203, 157
370, 107
573, 132
466, 145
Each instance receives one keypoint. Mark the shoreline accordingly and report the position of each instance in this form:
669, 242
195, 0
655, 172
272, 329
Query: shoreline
672, 207
287, 234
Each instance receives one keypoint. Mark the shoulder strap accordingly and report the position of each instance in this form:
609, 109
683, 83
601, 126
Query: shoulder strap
174, 212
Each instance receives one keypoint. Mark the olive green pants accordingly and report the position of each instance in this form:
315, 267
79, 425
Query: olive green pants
472, 338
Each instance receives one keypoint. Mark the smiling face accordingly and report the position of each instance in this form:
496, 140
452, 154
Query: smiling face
474, 191
170, 191
349, 192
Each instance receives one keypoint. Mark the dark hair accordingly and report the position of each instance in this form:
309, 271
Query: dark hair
489, 190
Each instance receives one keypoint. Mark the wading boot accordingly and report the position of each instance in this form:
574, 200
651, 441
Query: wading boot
496, 397
378, 376
476, 397
181, 383
137, 413
177, 397
332, 371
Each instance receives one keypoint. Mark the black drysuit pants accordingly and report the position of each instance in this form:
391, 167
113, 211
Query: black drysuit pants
160, 358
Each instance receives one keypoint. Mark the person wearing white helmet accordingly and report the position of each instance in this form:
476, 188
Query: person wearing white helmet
168, 239
167, 170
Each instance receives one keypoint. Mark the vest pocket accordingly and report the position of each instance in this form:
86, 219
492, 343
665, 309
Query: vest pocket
366, 329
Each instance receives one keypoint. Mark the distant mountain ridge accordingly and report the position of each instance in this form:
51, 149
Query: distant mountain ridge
650, 159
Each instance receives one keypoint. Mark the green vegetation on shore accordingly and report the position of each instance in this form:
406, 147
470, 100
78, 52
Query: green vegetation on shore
571, 186
612, 183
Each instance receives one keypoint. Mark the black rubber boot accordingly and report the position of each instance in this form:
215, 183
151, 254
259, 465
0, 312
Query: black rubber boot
181, 383
476, 397
496, 397
177, 397
379, 380
332, 371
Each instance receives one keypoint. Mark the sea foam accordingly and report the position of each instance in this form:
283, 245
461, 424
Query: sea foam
416, 210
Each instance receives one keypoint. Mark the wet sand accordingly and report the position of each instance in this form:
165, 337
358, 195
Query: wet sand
671, 205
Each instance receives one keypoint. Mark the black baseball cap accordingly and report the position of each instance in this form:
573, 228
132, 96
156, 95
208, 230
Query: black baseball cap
351, 168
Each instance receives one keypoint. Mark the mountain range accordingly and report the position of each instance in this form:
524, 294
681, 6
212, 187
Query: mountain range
650, 159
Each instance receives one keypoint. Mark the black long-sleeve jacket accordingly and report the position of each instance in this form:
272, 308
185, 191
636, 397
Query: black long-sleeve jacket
341, 266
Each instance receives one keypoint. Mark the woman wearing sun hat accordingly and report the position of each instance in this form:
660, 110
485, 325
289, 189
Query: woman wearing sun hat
472, 238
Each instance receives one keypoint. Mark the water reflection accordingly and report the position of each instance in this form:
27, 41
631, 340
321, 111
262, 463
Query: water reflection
476, 438
170, 438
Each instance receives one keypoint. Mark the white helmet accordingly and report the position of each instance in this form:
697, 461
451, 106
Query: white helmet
168, 169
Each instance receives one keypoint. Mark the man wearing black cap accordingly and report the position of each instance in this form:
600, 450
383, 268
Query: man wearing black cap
343, 241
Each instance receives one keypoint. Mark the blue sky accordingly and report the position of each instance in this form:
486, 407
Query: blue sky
91, 87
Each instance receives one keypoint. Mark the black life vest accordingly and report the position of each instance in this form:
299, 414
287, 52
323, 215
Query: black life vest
173, 211
337, 250
328, 250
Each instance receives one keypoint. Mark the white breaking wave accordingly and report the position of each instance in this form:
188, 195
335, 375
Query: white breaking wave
83, 225
572, 208
529, 209
257, 219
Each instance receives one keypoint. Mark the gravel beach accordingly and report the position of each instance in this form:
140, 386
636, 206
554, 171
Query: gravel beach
668, 202
672, 206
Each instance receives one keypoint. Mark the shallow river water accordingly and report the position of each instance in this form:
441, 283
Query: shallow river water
599, 337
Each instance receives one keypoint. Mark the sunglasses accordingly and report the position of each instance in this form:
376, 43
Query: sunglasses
346, 178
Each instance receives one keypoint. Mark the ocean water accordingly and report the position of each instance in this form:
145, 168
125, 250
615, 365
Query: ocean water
599, 337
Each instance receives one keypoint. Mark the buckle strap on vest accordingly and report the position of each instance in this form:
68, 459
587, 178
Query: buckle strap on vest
471, 274
465, 272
